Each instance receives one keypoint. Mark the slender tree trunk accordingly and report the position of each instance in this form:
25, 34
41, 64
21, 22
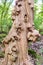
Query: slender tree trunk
16, 42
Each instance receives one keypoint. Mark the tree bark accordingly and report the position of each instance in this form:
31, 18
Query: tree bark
16, 42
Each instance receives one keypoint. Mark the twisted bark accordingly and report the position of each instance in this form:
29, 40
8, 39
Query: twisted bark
16, 42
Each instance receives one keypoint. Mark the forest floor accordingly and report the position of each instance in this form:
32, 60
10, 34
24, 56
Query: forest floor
37, 51
37, 54
37, 48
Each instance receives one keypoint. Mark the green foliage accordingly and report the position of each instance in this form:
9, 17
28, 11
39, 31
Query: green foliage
35, 1
38, 63
32, 53
39, 59
38, 17
5, 17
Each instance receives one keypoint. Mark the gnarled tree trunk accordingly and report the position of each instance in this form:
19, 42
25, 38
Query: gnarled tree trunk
16, 42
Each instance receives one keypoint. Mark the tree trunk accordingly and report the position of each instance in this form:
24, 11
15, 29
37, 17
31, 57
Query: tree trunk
16, 42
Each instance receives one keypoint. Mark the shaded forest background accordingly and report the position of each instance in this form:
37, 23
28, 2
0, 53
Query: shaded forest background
6, 23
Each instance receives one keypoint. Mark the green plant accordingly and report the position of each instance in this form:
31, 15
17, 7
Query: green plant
38, 63
38, 17
5, 17
32, 53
